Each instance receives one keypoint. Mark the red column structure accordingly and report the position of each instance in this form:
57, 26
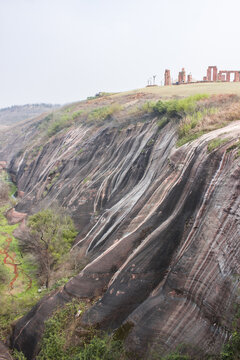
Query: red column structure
215, 71
182, 76
236, 76
228, 76
212, 73
209, 74
167, 78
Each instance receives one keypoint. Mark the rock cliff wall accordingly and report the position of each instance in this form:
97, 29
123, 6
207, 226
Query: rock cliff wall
160, 226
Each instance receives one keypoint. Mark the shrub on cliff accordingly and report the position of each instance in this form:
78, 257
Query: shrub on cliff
60, 340
178, 108
103, 113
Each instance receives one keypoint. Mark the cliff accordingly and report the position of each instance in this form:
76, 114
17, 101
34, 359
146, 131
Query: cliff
159, 224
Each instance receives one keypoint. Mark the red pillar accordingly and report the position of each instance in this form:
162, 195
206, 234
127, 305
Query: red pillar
214, 73
236, 76
228, 76
209, 73
167, 78
180, 77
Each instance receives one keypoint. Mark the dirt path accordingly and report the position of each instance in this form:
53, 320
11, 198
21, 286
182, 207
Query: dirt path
10, 261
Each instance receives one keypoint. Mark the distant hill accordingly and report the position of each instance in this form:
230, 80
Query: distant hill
17, 113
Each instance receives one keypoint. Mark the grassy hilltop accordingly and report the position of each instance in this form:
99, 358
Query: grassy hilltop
190, 89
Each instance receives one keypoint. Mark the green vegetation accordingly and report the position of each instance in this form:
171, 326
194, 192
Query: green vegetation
192, 120
4, 275
186, 110
235, 146
100, 94
50, 237
86, 180
57, 342
58, 124
18, 355
174, 108
216, 143
25, 290
231, 351
103, 113
7, 187
194, 117
57, 121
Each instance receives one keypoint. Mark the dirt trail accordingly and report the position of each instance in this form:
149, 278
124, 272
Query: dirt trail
9, 260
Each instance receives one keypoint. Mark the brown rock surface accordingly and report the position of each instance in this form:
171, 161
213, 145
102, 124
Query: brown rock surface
15, 217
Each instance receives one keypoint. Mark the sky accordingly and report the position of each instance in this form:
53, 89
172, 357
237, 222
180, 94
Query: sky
60, 51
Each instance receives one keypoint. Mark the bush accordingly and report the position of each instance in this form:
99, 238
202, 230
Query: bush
178, 108
59, 124
56, 342
231, 351
18, 355
101, 349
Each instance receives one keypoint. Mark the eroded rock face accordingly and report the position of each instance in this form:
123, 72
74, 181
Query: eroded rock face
15, 217
161, 226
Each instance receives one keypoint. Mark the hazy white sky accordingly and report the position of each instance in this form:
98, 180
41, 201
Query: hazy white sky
65, 50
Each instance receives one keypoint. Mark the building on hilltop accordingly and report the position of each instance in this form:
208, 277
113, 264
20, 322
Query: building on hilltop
167, 78
223, 75
182, 78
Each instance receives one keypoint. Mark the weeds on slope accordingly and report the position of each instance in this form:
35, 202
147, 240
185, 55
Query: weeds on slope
64, 119
64, 340
195, 115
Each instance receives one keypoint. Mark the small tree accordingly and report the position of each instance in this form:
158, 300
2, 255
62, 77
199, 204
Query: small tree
51, 234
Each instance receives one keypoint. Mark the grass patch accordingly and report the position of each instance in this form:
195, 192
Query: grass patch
216, 143
190, 137
103, 113
59, 123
